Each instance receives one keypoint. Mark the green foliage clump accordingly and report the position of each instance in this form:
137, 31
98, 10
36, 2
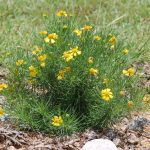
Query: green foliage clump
75, 77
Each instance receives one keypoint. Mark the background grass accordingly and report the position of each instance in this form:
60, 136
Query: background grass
19, 17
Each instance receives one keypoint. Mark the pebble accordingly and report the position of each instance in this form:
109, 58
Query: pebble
91, 135
117, 141
76, 144
138, 124
111, 134
125, 121
132, 139
11, 148
123, 128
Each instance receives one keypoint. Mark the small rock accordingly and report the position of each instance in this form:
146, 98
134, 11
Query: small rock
11, 148
71, 147
64, 146
117, 141
49, 140
123, 128
76, 144
42, 145
99, 144
8, 143
70, 142
111, 134
132, 139
125, 121
54, 147
146, 132
138, 124
91, 135
131, 147
145, 143
2, 138
2, 147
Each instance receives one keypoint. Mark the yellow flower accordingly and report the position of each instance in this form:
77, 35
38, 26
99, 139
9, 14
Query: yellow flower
106, 94
146, 99
61, 13
36, 50
20, 62
113, 40
32, 71
52, 41
110, 34
42, 64
87, 28
90, 60
42, 58
93, 71
3, 86
130, 104
122, 93
129, 72
112, 47
30, 82
105, 81
98, 38
53, 36
65, 27
57, 121
61, 75
75, 51
125, 51
36, 47
77, 32
1, 112
47, 40
43, 32
67, 56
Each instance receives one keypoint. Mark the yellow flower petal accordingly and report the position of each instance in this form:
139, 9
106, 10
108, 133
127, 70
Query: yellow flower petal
106, 94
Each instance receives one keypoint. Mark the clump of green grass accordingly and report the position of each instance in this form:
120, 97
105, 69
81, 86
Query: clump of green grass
73, 78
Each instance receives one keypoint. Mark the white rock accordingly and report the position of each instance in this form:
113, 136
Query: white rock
99, 144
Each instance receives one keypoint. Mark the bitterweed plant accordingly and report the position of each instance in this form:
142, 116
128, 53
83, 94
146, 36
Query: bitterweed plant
73, 78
